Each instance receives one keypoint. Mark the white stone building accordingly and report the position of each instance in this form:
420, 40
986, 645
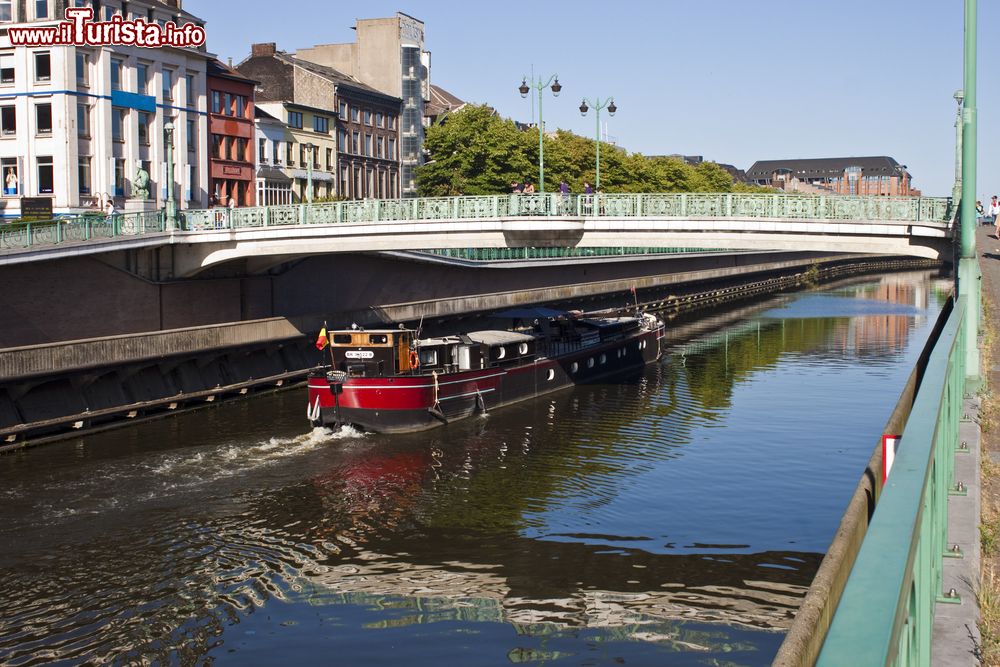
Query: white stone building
77, 123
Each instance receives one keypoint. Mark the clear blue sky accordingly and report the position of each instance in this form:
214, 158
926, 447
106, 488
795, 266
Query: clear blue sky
732, 80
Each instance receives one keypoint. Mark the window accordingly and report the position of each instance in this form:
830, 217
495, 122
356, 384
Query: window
141, 78
241, 149
45, 175
289, 155
110, 11
217, 146
379, 119
11, 179
368, 117
42, 9
321, 124
119, 177
189, 97
241, 106
262, 150
295, 120
192, 133
8, 120
168, 84
227, 148
192, 181
7, 68
342, 141
368, 145
6, 13
83, 172
43, 118
391, 120
144, 128
356, 143
302, 154
355, 114
227, 105
117, 71
43, 66
343, 109
83, 120
82, 69
329, 159
391, 152
216, 102
118, 124
276, 151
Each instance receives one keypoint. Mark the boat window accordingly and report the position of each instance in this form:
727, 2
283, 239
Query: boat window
551, 375
522, 348
590, 362
378, 339
428, 357
604, 359
501, 352
342, 339
574, 368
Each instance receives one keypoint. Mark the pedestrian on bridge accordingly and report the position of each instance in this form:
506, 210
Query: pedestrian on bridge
994, 211
980, 213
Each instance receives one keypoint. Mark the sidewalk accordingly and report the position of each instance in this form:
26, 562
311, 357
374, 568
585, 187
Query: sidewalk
956, 638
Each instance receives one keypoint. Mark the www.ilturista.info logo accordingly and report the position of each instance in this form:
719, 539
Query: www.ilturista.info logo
80, 30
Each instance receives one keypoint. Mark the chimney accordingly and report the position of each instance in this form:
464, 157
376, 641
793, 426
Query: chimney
264, 50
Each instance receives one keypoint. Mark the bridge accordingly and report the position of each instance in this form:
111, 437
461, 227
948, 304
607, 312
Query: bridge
266, 236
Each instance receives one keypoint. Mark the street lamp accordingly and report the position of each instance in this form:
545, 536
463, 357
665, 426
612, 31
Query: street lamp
171, 208
957, 191
608, 104
524, 88
309, 172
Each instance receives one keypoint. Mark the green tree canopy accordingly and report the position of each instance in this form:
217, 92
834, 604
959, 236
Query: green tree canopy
475, 152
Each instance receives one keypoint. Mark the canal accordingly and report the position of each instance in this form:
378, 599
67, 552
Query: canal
676, 518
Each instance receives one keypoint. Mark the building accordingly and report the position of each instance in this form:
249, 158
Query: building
231, 135
878, 175
274, 185
441, 103
341, 134
80, 125
389, 56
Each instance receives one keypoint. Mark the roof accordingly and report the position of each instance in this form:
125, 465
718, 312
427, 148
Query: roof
216, 67
263, 115
330, 74
492, 337
442, 101
830, 167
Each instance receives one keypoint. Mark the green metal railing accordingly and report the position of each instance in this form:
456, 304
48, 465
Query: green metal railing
513, 254
683, 205
886, 613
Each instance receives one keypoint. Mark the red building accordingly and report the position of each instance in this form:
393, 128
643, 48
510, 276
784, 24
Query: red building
231, 154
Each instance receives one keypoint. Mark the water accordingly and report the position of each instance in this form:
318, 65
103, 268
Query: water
676, 518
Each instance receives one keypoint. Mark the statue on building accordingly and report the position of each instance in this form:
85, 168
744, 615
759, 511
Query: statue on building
10, 183
140, 186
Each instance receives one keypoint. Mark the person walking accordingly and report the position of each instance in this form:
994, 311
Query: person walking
992, 213
980, 213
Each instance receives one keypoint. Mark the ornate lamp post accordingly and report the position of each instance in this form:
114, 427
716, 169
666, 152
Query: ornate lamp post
608, 104
957, 191
309, 172
524, 88
171, 207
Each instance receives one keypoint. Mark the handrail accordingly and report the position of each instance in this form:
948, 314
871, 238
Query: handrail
93, 226
886, 613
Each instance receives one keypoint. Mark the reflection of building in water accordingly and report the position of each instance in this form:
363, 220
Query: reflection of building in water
484, 593
881, 333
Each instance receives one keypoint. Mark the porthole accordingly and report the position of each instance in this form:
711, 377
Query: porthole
604, 359
551, 375
522, 348
501, 352
643, 345
574, 368
590, 362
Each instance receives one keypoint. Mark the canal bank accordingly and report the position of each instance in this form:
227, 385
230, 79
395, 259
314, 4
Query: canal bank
52, 391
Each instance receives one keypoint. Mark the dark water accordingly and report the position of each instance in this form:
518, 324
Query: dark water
676, 518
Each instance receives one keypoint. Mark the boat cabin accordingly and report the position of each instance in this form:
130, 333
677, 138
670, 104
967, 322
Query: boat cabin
373, 352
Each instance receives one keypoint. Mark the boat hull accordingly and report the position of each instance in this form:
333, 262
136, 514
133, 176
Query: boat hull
401, 404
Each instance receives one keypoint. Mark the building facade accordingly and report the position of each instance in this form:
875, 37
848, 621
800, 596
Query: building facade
877, 175
83, 125
231, 135
340, 134
274, 185
389, 56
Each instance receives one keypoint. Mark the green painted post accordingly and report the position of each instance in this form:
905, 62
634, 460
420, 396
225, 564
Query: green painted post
524, 89
968, 272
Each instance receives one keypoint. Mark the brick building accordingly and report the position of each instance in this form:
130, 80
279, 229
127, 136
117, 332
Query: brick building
879, 175
342, 134
231, 135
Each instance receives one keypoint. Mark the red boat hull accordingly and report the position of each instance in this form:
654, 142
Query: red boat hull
400, 404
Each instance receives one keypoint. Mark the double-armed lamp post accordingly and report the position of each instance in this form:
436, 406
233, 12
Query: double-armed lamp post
609, 104
309, 172
524, 89
171, 206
